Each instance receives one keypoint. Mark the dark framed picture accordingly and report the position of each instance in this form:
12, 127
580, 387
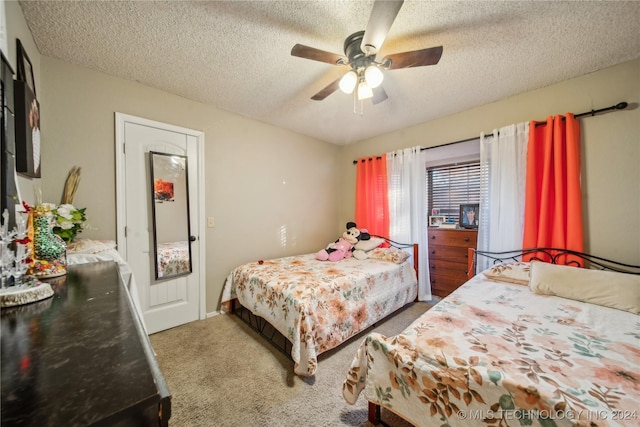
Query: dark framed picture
469, 215
25, 69
27, 130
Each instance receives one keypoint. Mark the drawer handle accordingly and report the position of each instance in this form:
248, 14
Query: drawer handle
433, 252
433, 267
433, 237
466, 239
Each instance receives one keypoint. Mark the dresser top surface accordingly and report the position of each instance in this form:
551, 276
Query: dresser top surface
76, 358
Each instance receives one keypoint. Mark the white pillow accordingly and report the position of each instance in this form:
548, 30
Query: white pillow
606, 288
367, 245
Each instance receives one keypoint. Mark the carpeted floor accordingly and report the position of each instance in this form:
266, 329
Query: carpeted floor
222, 373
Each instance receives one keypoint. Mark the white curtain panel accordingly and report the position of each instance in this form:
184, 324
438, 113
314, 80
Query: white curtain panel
503, 168
407, 186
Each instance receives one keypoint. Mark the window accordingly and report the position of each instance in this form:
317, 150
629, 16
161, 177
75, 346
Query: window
451, 185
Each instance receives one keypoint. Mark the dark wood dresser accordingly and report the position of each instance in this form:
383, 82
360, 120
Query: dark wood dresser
448, 258
81, 357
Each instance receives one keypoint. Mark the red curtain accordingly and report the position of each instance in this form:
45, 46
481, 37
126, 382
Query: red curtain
372, 204
553, 204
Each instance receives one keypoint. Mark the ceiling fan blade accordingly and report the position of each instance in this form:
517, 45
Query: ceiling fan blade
415, 58
382, 16
328, 90
307, 52
379, 95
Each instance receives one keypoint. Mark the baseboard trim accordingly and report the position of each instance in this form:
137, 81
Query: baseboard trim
214, 313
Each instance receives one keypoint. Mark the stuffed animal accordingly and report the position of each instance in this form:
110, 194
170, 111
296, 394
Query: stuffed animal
360, 254
343, 247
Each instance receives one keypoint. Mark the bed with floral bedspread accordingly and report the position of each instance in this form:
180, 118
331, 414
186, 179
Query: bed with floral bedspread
498, 354
317, 305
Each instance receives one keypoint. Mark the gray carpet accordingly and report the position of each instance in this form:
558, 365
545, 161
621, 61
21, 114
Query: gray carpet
222, 373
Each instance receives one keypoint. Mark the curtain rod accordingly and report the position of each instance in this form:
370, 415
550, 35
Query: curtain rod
618, 106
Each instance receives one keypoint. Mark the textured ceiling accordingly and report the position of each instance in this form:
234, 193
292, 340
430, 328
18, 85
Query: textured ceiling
236, 54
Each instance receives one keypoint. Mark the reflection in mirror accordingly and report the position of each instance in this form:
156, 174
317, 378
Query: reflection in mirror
170, 214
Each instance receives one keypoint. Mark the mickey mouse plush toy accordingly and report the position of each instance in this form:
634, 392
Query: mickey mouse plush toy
344, 246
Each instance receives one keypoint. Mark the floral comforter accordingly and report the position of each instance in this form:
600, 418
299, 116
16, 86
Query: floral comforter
496, 354
319, 304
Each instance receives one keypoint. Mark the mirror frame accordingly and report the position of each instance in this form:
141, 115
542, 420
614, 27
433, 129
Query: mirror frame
154, 173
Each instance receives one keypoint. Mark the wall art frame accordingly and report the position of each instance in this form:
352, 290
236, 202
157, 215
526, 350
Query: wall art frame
25, 67
27, 116
27, 130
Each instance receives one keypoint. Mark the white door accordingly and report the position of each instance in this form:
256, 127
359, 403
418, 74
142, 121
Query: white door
164, 303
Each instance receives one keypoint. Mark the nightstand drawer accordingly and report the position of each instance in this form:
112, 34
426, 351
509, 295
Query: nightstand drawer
461, 238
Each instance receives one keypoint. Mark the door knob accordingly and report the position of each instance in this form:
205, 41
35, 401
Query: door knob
192, 238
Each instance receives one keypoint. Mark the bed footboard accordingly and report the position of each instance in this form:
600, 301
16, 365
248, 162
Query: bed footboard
374, 414
229, 306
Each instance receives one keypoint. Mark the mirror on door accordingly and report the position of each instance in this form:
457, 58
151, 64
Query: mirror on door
170, 215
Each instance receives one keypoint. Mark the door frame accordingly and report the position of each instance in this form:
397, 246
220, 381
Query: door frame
121, 223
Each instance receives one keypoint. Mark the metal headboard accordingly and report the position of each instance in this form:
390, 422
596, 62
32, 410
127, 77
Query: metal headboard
395, 244
553, 256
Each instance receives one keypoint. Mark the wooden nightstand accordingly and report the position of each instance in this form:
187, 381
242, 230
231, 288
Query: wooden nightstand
448, 258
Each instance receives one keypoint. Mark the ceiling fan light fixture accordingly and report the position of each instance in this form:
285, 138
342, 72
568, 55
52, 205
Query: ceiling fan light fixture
360, 50
348, 82
364, 91
373, 76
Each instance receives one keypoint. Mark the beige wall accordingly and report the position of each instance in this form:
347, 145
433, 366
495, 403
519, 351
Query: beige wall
610, 149
271, 191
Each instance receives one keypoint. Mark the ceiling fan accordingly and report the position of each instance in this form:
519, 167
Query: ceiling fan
360, 48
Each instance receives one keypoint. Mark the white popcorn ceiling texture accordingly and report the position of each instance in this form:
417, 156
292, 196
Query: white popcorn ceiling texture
235, 55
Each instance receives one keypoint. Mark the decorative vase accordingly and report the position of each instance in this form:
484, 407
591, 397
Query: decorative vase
49, 250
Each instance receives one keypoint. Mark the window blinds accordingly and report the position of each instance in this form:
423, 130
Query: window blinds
452, 185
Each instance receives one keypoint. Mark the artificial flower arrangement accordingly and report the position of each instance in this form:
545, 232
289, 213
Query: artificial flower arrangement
68, 221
